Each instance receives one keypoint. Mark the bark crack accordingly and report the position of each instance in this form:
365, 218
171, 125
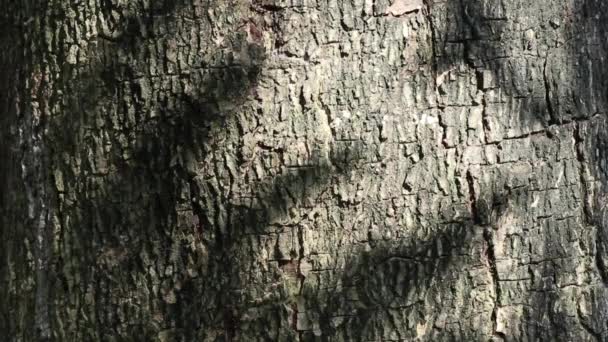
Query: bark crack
427, 13
597, 336
599, 261
491, 257
552, 118
475, 35
580, 157
587, 210
485, 123
472, 200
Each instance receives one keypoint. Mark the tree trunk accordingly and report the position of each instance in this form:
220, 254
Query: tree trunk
280, 170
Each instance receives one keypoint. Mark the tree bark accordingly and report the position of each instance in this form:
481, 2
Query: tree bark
280, 170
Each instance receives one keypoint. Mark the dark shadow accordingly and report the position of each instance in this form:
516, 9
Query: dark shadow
14, 268
129, 193
555, 79
146, 189
389, 275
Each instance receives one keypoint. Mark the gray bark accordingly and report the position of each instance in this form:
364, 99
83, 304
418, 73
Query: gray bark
356, 170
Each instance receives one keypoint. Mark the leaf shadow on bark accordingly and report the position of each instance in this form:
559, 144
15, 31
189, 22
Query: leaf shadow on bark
372, 283
188, 122
128, 195
128, 202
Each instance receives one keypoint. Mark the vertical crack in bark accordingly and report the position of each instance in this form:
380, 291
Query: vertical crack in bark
475, 35
196, 207
429, 17
599, 250
491, 256
588, 215
599, 261
444, 131
300, 279
485, 124
552, 118
300, 257
490, 253
580, 157
472, 199
596, 336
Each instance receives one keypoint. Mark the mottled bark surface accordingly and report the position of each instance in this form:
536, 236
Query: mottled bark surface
357, 170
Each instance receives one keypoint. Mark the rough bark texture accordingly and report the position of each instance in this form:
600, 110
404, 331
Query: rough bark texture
353, 170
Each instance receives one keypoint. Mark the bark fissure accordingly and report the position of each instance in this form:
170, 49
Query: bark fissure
477, 220
429, 17
551, 111
596, 335
491, 256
